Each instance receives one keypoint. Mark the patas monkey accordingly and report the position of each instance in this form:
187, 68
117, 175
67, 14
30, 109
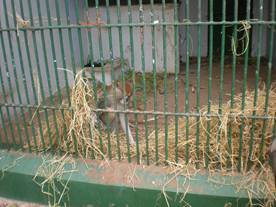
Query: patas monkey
118, 102
110, 101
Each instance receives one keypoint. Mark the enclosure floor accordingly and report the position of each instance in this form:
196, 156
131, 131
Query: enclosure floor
160, 95
226, 94
13, 203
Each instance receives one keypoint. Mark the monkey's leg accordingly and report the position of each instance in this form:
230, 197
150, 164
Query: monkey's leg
126, 128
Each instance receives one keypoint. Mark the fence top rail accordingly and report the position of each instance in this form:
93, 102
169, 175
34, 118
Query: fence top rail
87, 25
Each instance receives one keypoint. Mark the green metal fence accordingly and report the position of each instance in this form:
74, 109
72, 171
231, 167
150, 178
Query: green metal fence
29, 42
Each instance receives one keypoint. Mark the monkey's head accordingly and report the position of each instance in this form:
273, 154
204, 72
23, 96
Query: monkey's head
128, 88
128, 91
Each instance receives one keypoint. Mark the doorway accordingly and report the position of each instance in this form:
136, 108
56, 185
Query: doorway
229, 29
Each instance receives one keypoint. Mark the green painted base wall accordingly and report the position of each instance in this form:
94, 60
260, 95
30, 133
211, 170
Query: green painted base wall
114, 184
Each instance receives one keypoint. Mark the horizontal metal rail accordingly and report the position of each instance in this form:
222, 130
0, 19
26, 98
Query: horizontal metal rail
189, 114
185, 23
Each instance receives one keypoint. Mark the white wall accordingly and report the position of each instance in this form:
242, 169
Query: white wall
193, 16
20, 44
255, 29
19, 80
136, 36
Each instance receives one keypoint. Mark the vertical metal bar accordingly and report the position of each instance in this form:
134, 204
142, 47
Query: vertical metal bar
94, 83
257, 74
165, 79
65, 73
32, 79
268, 79
232, 101
248, 7
187, 34
176, 71
122, 71
14, 73
7, 110
3, 123
68, 21
103, 78
2, 115
221, 77
54, 59
72, 63
40, 82
274, 128
4, 91
133, 81
110, 39
24, 82
210, 71
4, 128
142, 36
112, 74
199, 36
154, 79
48, 78
63, 59
81, 57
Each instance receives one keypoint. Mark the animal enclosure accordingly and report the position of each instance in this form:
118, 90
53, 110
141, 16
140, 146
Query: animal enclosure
190, 82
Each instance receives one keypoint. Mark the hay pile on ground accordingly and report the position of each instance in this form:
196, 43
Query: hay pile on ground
223, 155
79, 131
74, 130
220, 148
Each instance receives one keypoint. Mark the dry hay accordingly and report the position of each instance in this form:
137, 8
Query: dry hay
219, 127
73, 130
259, 182
79, 131
50, 177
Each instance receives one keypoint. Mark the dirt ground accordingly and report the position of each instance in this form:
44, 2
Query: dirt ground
160, 95
227, 76
13, 203
227, 86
